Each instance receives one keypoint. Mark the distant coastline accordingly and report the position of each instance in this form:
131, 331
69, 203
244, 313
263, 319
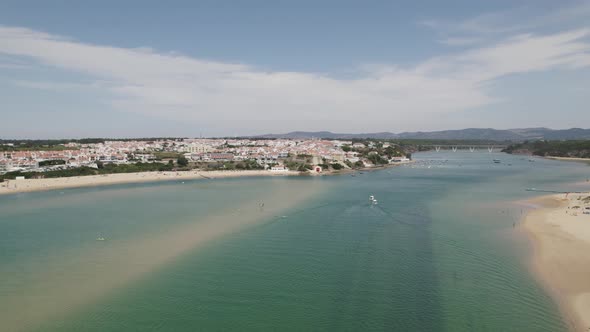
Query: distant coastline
560, 235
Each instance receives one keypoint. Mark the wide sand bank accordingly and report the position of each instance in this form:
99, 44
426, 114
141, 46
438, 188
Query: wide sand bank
560, 232
28, 185
65, 283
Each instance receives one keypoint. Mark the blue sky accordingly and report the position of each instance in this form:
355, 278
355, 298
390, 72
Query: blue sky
186, 68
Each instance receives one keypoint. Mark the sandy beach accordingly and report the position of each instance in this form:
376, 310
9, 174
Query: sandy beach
587, 160
29, 185
560, 232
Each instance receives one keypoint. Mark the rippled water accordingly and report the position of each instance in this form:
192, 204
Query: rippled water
442, 251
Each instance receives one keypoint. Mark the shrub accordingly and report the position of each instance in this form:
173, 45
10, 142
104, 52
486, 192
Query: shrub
337, 166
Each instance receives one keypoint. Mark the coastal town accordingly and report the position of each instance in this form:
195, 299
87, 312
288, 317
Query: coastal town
276, 155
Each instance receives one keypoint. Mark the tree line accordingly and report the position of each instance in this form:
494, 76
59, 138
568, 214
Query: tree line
575, 149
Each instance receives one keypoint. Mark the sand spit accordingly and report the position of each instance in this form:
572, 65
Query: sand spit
94, 273
28, 185
560, 232
587, 160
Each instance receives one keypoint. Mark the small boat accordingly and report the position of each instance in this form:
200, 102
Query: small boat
497, 161
100, 239
372, 200
531, 160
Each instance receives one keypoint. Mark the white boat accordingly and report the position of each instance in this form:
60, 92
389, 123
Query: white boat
372, 199
100, 239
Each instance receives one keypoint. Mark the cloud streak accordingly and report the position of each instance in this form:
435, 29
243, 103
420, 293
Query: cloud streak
232, 96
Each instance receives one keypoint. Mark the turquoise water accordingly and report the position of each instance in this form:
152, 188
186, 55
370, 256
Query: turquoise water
442, 251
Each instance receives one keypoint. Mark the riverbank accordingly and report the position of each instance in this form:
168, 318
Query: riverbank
29, 185
586, 160
560, 234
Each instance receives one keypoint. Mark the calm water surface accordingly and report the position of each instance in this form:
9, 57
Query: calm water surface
442, 251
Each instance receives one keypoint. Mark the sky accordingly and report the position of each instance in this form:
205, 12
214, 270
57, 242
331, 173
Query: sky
224, 68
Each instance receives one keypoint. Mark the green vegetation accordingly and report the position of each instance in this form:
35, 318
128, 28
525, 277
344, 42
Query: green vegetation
376, 159
249, 164
167, 155
52, 162
574, 149
82, 171
336, 166
233, 165
300, 166
404, 146
137, 167
182, 161
102, 168
379, 155
305, 168
325, 167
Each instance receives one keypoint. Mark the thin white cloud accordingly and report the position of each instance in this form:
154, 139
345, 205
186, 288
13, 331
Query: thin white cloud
227, 95
9, 62
493, 26
460, 41
58, 86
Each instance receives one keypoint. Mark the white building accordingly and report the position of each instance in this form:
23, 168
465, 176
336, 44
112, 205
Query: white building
198, 148
279, 168
398, 159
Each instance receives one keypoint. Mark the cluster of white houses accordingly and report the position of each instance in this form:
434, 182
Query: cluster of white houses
265, 152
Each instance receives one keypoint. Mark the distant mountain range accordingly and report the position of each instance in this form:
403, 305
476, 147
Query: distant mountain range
488, 134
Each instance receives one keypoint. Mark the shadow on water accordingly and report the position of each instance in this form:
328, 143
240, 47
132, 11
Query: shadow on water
388, 275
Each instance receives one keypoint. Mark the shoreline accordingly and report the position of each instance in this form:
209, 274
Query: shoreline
33, 185
560, 241
586, 160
